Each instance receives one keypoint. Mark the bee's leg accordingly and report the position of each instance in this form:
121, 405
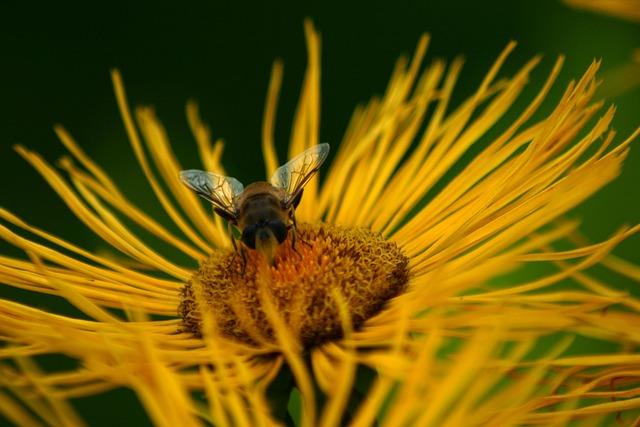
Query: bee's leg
237, 249
233, 238
291, 228
243, 253
304, 241
294, 234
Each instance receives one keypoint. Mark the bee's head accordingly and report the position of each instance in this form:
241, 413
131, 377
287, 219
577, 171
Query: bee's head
265, 236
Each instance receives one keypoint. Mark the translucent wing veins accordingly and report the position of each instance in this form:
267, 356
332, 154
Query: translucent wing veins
219, 190
296, 173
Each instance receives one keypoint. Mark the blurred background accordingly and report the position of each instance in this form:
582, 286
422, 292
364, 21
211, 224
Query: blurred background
56, 62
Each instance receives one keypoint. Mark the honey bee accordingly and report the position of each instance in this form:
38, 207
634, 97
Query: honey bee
264, 212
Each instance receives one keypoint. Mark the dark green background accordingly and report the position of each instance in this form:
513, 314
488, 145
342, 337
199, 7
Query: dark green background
56, 61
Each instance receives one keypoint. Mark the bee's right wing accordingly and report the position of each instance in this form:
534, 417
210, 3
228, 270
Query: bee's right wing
219, 190
296, 173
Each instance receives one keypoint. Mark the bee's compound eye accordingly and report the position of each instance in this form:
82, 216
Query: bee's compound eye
278, 229
249, 236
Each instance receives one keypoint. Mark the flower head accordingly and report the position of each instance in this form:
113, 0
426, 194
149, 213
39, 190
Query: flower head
407, 274
361, 266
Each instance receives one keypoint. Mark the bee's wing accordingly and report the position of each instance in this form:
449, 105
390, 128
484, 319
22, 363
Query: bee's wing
295, 174
219, 190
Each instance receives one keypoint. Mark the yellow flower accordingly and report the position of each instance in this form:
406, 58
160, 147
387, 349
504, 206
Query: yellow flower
458, 337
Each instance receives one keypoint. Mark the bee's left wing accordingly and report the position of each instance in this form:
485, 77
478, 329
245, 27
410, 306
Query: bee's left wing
220, 190
295, 174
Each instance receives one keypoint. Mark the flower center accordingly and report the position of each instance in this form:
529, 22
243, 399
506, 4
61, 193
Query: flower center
360, 264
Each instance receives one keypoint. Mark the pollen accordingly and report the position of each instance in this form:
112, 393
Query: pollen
364, 267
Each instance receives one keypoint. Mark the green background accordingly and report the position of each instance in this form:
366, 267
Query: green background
56, 61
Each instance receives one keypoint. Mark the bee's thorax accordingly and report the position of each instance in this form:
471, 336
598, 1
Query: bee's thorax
261, 211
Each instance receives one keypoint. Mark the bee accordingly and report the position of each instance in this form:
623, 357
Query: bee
264, 212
